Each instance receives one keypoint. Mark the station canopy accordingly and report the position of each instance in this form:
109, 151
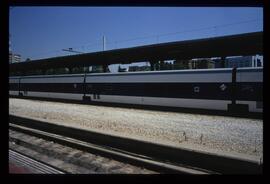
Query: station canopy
232, 45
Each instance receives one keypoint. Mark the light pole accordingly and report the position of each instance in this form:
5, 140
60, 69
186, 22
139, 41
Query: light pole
104, 43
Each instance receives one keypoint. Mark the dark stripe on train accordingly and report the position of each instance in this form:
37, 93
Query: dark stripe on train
14, 86
222, 91
53, 87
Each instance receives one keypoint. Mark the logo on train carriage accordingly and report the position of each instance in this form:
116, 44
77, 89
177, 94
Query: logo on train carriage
196, 89
223, 87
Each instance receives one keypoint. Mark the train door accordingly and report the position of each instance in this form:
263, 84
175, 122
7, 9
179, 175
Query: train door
87, 88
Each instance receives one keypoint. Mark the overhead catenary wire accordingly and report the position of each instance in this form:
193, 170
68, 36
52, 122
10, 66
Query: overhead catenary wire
186, 31
99, 42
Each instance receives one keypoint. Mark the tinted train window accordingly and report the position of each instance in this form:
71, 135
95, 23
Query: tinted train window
89, 86
259, 105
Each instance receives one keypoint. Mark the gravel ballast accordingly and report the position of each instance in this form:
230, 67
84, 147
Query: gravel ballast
238, 136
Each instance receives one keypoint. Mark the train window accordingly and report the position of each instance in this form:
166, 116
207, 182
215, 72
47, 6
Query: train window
259, 105
89, 86
108, 87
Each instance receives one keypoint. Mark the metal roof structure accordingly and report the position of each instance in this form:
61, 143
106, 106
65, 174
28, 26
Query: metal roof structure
232, 45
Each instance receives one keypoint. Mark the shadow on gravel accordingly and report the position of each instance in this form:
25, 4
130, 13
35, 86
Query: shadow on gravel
251, 115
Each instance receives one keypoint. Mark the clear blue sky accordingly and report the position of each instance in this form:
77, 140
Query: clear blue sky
41, 32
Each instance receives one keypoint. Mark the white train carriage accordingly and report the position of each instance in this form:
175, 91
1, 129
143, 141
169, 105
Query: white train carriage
200, 89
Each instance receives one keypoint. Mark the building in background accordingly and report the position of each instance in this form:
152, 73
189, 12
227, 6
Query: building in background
181, 64
14, 58
244, 61
240, 61
120, 69
196, 63
96, 69
139, 68
201, 63
217, 63
10, 57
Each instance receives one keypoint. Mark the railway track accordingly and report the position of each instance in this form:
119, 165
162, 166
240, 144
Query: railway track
31, 163
160, 158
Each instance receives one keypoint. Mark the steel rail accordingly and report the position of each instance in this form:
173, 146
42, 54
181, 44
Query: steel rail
33, 164
150, 155
120, 155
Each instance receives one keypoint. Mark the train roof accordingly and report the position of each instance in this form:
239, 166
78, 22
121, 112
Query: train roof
212, 70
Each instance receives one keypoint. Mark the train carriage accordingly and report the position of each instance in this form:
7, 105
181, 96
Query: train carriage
212, 89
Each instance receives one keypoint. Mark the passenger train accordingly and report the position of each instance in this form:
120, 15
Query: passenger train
213, 89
